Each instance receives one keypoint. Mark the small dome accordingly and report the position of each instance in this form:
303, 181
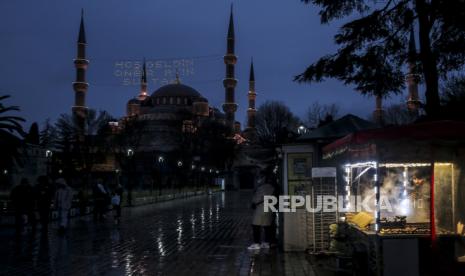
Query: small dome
176, 90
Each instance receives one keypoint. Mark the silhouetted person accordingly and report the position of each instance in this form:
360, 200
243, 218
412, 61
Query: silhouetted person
63, 200
44, 193
22, 200
116, 202
82, 202
261, 219
101, 196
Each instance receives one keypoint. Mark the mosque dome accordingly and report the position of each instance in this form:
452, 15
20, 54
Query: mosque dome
176, 90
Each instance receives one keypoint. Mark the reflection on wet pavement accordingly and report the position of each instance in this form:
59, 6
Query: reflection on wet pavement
204, 235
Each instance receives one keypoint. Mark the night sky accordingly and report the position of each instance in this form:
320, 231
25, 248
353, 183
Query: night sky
39, 44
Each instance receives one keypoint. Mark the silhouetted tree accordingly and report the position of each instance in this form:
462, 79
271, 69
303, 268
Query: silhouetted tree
373, 46
10, 123
11, 132
453, 98
213, 145
320, 114
33, 137
274, 123
128, 138
79, 154
398, 114
48, 135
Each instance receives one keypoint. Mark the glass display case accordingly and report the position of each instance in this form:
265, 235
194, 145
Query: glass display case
403, 198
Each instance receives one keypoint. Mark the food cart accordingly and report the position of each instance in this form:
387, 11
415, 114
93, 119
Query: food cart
404, 183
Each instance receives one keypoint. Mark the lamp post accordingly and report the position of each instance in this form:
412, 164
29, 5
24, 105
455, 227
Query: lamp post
48, 157
130, 155
203, 176
161, 160
117, 177
180, 178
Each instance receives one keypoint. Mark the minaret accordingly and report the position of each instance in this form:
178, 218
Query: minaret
378, 114
80, 85
251, 111
230, 106
412, 77
143, 84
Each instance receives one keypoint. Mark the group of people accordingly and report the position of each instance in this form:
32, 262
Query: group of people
103, 198
26, 199
29, 200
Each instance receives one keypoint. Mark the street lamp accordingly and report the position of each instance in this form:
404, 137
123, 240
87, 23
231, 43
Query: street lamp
179, 163
130, 152
48, 157
161, 159
202, 168
5, 172
302, 130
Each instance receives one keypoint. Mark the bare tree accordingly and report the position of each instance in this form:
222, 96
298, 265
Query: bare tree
274, 122
453, 98
318, 113
398, 114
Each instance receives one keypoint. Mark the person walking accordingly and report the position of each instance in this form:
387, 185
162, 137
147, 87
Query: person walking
82, 202
262, 220
101, 197
116, 202
63, 200
44, 195
22, 201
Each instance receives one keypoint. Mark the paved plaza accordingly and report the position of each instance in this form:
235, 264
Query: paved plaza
202, 235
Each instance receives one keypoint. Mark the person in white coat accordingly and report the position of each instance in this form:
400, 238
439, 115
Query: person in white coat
63, 199
261, 219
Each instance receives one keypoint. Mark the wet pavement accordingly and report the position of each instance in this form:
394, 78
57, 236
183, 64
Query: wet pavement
202, 235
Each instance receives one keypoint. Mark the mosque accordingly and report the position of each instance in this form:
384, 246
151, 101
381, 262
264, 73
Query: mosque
174, 108
166, 115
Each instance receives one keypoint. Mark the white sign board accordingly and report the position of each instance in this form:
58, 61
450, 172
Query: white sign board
323, 172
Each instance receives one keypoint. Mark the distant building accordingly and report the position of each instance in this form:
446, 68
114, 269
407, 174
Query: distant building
30, 161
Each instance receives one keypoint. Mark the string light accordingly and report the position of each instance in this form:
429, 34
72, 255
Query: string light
400, 165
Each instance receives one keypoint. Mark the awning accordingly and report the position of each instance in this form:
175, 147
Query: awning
428, 131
